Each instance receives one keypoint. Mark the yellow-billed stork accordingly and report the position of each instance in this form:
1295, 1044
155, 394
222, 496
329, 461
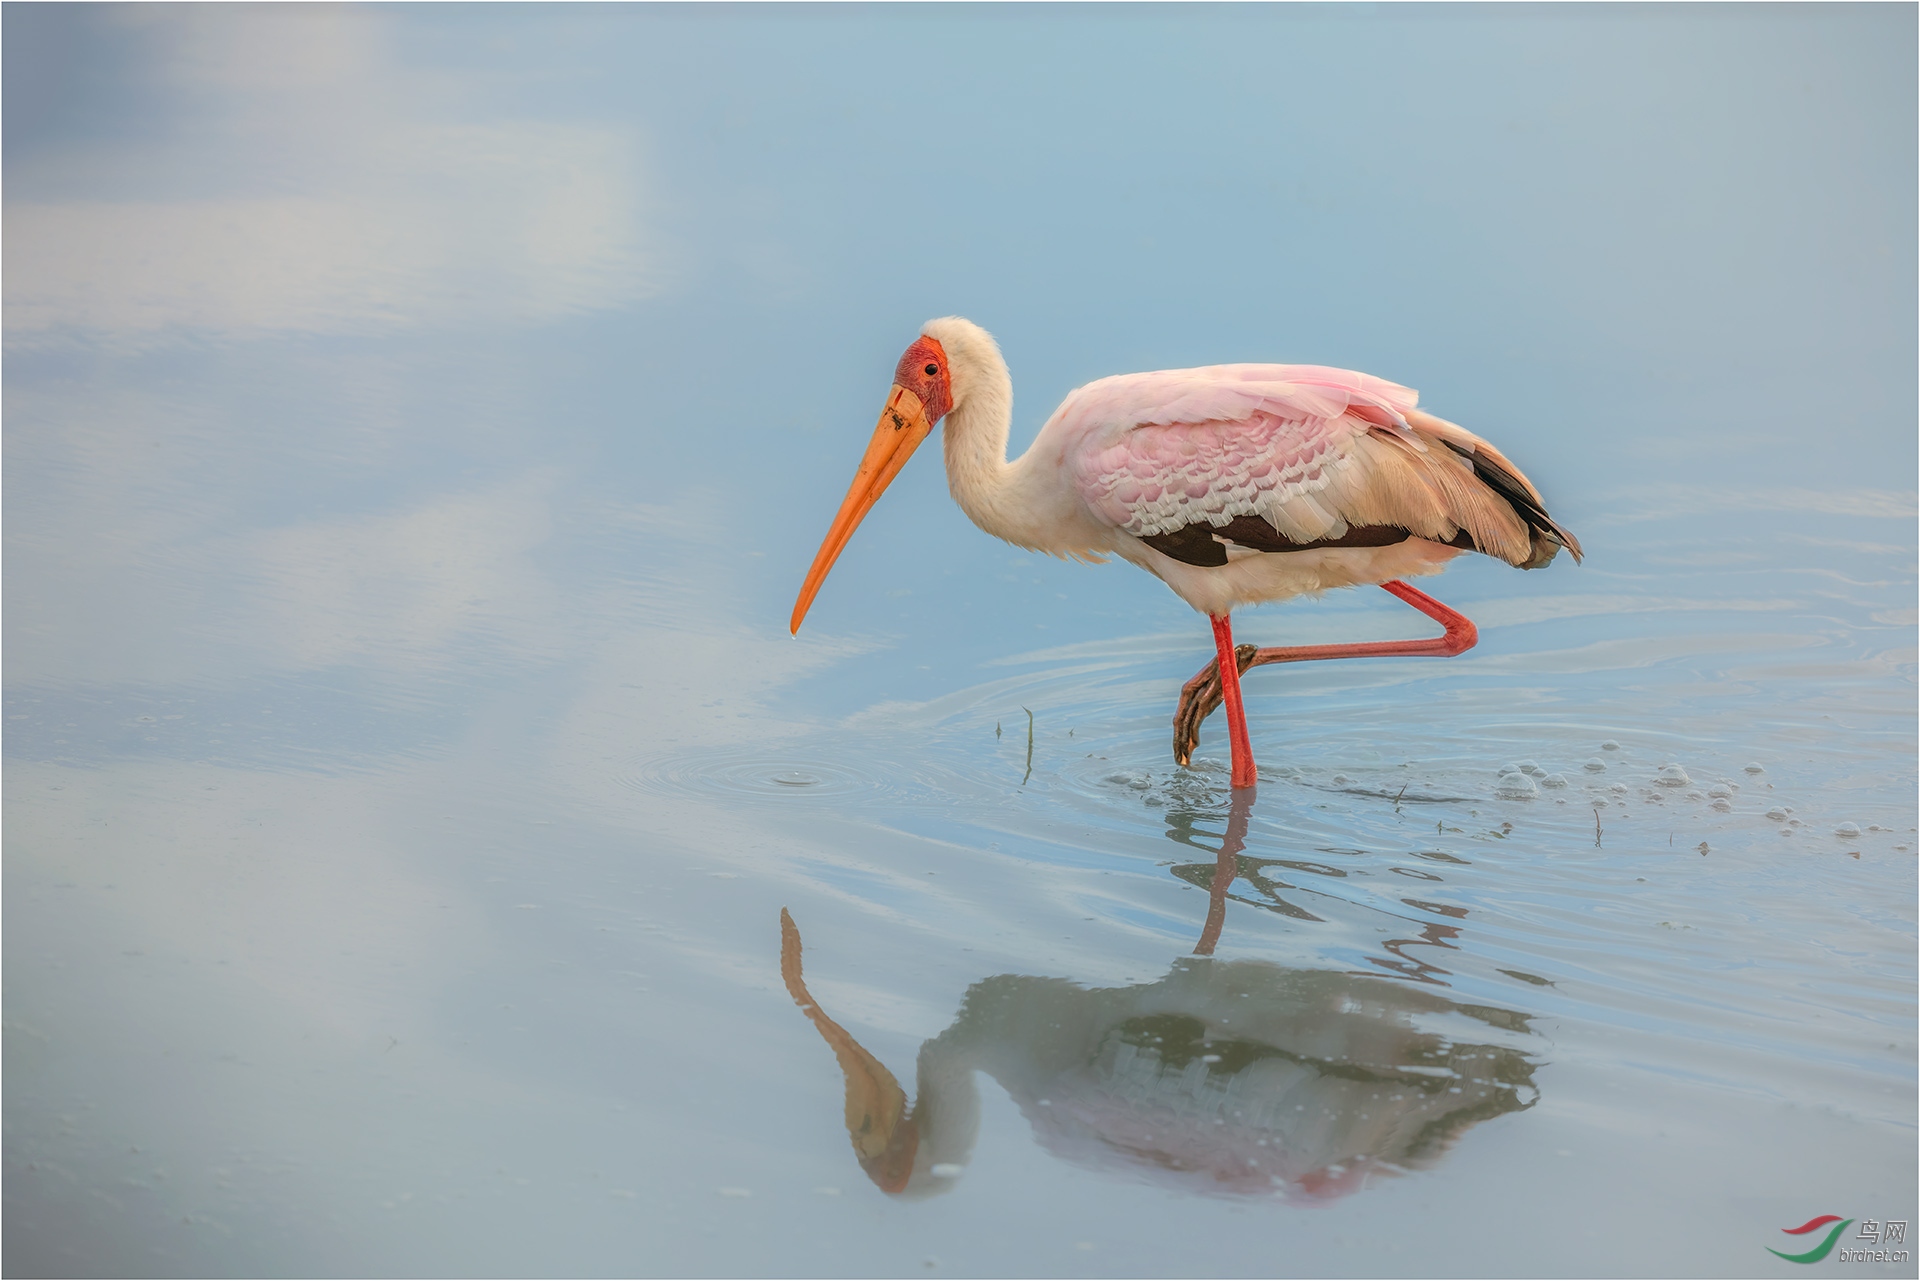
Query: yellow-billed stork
1232, 484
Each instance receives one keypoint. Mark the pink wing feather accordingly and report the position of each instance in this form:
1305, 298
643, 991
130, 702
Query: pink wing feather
1165, 450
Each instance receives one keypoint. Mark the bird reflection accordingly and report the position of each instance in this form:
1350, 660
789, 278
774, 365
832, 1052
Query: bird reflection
1230, 1077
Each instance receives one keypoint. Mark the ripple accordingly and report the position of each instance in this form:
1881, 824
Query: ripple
745, 772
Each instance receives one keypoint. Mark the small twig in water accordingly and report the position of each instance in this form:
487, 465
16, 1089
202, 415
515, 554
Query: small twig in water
1596, 829
996, 729
1396, 800
1029, 773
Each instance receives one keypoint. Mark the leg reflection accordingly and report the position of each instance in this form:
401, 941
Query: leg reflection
1225, 869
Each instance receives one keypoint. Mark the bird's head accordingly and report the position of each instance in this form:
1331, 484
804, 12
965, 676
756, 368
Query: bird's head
925, 373
922, 395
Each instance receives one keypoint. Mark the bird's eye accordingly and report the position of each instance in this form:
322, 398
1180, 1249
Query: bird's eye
932, 370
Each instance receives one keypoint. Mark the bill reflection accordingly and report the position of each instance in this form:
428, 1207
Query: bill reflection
1238, 1078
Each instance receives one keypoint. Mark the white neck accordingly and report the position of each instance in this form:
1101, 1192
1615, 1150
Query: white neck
1019, 500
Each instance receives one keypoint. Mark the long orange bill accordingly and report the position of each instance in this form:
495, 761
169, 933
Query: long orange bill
903, 425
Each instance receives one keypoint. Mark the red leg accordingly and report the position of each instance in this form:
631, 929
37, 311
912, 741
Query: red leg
1240, 744
1208, 688
1461, 636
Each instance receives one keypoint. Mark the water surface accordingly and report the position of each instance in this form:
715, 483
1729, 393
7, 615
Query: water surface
418, 422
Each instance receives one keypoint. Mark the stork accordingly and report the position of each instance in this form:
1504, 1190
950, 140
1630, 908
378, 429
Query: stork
1232, 484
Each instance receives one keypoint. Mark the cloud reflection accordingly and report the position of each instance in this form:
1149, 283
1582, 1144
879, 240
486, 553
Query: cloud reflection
404, 589
341, 191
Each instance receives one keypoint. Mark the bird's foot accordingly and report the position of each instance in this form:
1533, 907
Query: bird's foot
1198, 698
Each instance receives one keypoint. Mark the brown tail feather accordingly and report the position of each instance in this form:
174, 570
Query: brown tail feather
1548, 532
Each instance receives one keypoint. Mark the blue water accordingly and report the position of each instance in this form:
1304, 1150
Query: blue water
418, 424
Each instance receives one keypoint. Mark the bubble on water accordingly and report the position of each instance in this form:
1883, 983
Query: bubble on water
1137, 780
1594, 765
1725, 807
1531, 768
1720, 790
1609, 746
796, 778
1777, 814
1755, 767
1554, 780
1847, 829
1618, 789
1696, 796
1341, 780
1671, 775
1516, 786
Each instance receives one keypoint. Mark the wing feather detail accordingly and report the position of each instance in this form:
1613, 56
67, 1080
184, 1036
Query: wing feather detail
1312, 452
1166, 450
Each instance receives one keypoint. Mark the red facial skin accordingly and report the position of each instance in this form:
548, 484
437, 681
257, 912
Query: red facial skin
935, 389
